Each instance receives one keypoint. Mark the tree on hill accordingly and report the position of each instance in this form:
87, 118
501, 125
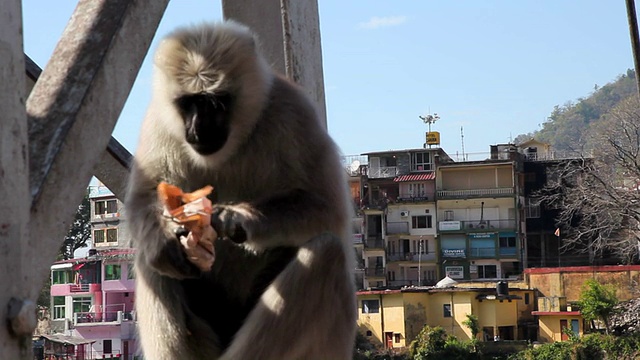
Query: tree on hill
567, 126
599, 197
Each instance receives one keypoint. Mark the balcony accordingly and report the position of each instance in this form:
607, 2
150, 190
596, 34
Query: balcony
508, 251
382, 172
476, 225
398, 227
93, 318
482, 252
374, 272
475, 193
411, 256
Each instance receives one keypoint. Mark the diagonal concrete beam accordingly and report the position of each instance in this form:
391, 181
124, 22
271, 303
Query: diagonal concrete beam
73, 108
113, 167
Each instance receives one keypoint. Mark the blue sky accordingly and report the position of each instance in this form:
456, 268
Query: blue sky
495, 68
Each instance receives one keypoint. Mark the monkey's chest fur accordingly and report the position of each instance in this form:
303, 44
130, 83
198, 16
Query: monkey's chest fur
225, 296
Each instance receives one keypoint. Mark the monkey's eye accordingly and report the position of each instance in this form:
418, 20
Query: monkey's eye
189, 104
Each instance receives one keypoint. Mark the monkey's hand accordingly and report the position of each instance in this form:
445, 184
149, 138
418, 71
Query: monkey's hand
234, 221
199, 247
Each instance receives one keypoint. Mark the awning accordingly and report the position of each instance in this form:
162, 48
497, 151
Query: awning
67, 340
415, 177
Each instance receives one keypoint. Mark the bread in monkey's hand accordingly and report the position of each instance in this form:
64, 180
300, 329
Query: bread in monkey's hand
193, 212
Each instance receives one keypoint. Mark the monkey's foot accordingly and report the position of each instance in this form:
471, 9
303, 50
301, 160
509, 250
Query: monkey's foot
199, 248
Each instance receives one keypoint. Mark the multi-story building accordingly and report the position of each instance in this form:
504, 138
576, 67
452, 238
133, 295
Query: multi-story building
92, 297
398, 206
480, 225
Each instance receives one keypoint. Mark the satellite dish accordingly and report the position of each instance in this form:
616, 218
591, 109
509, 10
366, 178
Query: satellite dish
355, 165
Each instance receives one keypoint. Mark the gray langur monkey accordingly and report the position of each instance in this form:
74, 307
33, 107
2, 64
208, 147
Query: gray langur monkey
281, 285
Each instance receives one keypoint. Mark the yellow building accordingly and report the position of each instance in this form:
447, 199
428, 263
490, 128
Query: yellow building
395, 317
552, 324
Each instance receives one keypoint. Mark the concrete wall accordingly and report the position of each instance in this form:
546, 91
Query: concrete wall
567, 281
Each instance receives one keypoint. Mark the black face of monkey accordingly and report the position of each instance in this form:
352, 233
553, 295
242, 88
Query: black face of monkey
206, 121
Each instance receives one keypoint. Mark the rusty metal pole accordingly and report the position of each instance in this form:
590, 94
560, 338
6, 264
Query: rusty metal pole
635, 41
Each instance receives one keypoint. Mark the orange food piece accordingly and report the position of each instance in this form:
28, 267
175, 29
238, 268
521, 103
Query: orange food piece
193, 210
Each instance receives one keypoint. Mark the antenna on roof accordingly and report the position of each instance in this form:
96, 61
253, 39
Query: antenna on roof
462, 140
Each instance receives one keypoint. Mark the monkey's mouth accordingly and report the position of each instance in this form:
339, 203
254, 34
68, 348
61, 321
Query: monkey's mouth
209, 147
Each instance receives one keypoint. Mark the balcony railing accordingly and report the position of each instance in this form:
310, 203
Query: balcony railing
443, 194
411, 256
397, 227
375, 272
102, 317
508, 251
476, 225
382, 172
482, 252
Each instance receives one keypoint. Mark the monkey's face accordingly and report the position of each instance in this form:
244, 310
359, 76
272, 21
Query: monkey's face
206, 120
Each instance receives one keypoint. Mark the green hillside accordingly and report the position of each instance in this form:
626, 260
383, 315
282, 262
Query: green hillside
569, 125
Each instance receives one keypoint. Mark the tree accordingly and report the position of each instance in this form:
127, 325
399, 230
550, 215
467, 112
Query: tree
599, 196
597, 302
79, 232
473, 324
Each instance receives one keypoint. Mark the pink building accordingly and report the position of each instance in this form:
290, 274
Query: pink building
92, 297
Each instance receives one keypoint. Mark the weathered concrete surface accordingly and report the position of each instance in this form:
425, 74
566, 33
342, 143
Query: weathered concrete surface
14, 176
289, 32
73, 109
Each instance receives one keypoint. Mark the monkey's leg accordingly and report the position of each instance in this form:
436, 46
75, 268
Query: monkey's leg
308, 312
167, 330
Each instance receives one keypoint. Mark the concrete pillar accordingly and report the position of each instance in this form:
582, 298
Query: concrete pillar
289, 32
15, 331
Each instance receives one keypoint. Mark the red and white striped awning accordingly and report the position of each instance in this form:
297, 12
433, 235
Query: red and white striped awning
415, 177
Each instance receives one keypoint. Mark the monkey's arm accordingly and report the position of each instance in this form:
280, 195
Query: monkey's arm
154, 235
288, 218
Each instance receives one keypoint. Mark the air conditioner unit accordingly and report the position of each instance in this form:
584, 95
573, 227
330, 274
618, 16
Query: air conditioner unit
404, 213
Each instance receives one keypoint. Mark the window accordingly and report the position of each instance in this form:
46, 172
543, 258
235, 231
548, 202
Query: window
130, 272
81, 304
526, 299
507, 242
58, 307
112, 272
370, 306
369, 333
421, 161
421, 222
112, 235
446, 309
106, 346
532, 208
106, 207
396, 337
448, 215
60, 277
101, 236
487, 271
98, 236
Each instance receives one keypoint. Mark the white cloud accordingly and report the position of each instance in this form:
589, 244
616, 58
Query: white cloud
378, 22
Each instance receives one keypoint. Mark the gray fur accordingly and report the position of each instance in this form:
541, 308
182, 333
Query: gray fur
288, 289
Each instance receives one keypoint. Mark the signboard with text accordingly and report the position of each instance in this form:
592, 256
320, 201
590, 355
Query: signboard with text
449, 225
454, 272
457, 253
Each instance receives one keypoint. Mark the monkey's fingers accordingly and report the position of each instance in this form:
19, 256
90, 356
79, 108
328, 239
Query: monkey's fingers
197, 252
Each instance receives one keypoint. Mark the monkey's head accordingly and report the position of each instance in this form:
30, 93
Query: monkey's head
213, 84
